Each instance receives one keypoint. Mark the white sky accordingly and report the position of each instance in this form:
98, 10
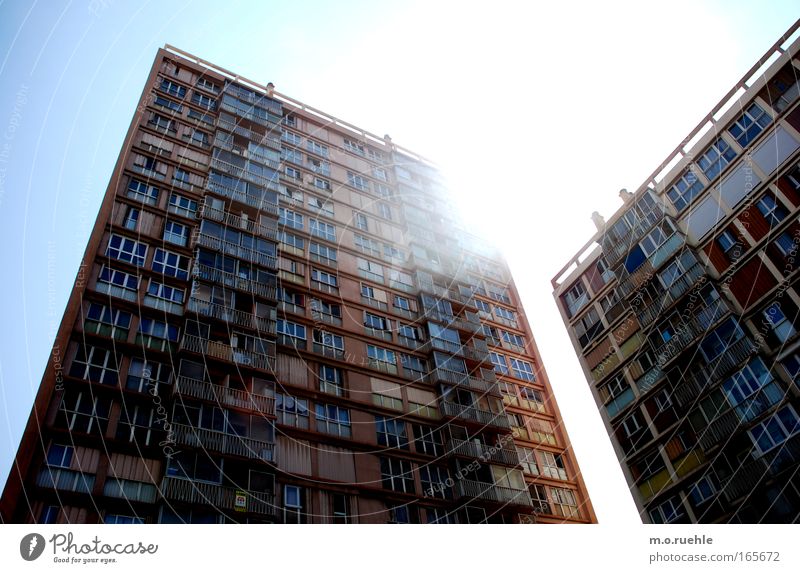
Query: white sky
539, 113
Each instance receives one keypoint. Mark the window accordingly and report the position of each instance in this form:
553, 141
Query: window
483, 306
575, 298
361, 221
662, 400
376, 322
59, 456
321, 183
340, 507
317, 148
657, 237
84, 413
333, 420
291, 138
385, 211
775, 430
104, 320
165, 292
131, 219
291, 329
136, 424
386, 394
293, 497
176, 233
397, 475
180, 205
667, 512
730, 245
752, 122
291, 411
127, 282
157, 329
686, 188
200, 138
434, 480
588, 327
328, 344
128, 250
522, 370
427, 441
782, 328
116, 519
402, 303
718, 341
382, 358
330, 380
553, 466
290, 218
323, 230
150, 376
717, 156
171, 264
391, 432
95, 364
632, 424
564, 502
173, 89
703, 489
773, 211
293, 155
324, 278
141, 191
357, 181
527, 459
204, 101
354, 146
499, 362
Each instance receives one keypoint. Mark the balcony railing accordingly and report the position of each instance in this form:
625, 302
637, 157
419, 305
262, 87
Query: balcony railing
253, 256
225, 498
266, 122
491, 492
65, 480
224, 396
234, 281
700, 378
473, 414
269, 140
224, 351
223, 443
237, 222
676, 290
465, 381
262, 324
265, 204
469, 449
614, 252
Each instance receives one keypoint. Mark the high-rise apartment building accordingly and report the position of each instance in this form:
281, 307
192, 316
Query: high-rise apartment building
280, 319
683, 309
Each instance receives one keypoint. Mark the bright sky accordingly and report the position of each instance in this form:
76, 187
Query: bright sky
539, 113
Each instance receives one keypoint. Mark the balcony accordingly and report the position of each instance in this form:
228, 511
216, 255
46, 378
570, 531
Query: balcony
233, 281
237, 222
223, 443
731, 421
675, 291
266, 204
474, 415
223, 396
224, 351
269, 140
220, 143
270, 123
465, 381
688, 331
645, 273
223, 498
696, 381
491, 492
469, 449
247, 254
262, 324
744, 479
614, 252
478, 352
443, 345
